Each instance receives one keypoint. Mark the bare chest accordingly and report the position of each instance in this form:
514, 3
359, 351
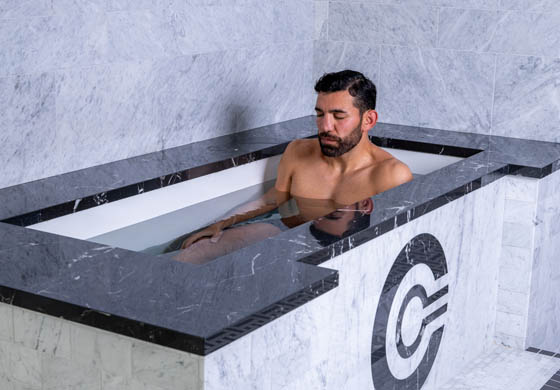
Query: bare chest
342, 188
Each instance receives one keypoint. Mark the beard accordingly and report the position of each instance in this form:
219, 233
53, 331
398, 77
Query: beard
345, 144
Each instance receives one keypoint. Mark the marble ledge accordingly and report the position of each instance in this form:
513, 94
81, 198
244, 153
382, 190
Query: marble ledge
199, 309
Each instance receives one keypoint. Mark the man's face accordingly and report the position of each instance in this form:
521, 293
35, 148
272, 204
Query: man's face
339, 123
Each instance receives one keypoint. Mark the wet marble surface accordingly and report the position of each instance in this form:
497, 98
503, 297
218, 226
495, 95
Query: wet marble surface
201, 308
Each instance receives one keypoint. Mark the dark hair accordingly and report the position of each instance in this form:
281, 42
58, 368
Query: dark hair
358, 223
359, 87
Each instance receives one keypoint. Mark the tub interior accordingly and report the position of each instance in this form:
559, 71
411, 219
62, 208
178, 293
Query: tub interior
152, 218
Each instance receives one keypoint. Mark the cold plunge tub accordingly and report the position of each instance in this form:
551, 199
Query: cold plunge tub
156, 217
404, 303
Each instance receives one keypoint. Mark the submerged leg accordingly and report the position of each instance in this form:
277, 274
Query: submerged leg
204, 250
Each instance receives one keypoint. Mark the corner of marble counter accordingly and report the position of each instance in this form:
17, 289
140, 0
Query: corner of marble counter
157, 299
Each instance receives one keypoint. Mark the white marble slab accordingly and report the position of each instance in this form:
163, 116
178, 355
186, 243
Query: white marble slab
411, 25
321, 18
530, 5
143, 76
326, 343
41, 352
544, 311
516, 261
329, 56
530, 82
436, 88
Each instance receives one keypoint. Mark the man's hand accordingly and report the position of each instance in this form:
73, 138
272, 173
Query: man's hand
267, 202
213, 231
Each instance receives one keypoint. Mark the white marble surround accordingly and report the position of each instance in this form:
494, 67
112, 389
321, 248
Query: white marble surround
142, 76
152, 74
528, 312
40, 352
516, 263
544, 309
482, 66
326, 344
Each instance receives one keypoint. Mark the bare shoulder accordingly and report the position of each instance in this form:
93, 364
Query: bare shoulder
295, 152
390, 173
301, 147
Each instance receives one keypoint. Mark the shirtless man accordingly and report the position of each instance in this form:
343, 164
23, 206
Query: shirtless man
341, 167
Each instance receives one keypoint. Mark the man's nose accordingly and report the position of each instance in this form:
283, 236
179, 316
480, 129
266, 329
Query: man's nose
325, 123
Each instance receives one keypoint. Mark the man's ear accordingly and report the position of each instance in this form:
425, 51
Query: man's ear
369, 119
366, 206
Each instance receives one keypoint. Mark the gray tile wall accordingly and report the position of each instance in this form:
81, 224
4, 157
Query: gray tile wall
481, 66
92, 81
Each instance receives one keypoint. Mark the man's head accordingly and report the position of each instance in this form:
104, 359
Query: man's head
345, 110
358, 86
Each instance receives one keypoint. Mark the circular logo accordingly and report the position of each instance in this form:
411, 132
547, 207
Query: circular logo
409, 321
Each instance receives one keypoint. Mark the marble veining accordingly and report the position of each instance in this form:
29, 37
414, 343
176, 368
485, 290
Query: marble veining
321, 17
544, 311
66, 33
332, 56
434, 88
11, 9
26, 104
526, 100
202, 308
144, 75
530, 5
484, 88
528, 33
413, 25
478, 4
515, 32
467, 29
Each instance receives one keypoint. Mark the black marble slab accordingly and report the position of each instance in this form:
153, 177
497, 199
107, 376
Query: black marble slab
199, 309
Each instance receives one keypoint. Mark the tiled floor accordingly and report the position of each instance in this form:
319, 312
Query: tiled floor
553, 383
507, 369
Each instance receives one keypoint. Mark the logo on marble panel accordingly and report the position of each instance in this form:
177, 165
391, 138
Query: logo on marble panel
410, 317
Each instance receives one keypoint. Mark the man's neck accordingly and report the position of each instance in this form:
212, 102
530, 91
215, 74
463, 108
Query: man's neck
354, 159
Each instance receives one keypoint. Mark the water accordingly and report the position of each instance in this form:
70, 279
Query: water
164, 228
166, 233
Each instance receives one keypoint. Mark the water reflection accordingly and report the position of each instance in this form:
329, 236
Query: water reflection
342, 222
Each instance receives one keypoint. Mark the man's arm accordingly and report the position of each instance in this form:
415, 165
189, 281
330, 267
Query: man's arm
267, 202
286, 168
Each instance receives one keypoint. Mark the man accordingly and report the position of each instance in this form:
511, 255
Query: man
341, 167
